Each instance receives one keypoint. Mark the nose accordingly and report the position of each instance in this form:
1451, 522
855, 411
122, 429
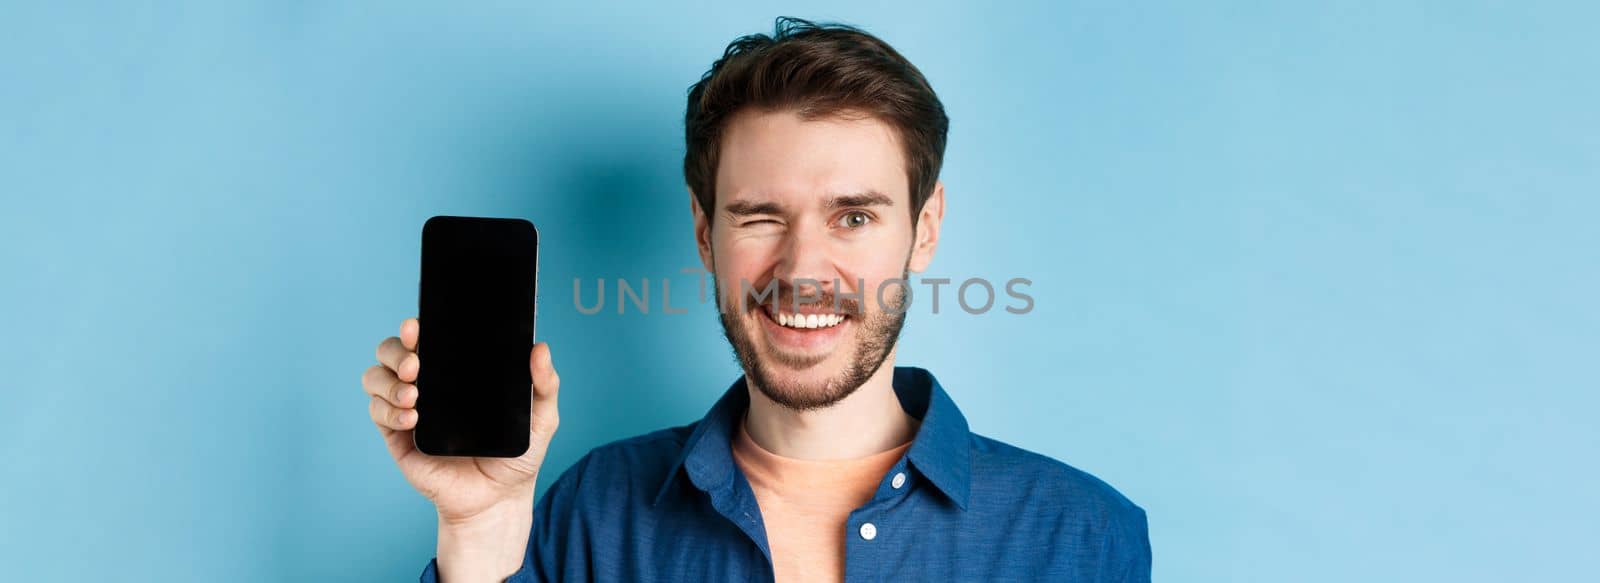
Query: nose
805, 262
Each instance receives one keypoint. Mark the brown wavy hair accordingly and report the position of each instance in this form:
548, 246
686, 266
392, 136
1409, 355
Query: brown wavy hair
818, 71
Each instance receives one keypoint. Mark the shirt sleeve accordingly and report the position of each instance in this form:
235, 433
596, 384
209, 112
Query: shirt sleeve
555, 546
1136, 549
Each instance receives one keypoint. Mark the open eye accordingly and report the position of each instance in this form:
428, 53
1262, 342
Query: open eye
854, 219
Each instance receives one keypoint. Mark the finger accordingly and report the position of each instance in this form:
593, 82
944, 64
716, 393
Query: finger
546, 386
403, 395
390, 351
377, 380
409, 330
409, 365
391, 417
403, 362
380, 382
398, 443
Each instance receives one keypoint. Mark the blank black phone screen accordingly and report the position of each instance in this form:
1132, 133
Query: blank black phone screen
476, 310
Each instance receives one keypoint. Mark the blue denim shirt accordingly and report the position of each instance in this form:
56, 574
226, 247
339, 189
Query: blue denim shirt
672, 506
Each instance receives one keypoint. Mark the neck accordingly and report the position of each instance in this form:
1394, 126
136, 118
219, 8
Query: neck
868, 421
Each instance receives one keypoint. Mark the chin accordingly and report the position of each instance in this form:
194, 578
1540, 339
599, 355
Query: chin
809, 366
807, 388
818, 375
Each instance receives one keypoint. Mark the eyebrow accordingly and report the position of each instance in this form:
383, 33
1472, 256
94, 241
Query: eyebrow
744, 208
865, 198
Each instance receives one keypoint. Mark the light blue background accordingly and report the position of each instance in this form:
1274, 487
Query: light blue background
1315, 285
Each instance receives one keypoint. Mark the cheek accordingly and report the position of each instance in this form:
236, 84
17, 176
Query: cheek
873, 273
875, 262
739, 262
736, 263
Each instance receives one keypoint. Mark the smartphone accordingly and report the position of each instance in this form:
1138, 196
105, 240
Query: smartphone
476, 304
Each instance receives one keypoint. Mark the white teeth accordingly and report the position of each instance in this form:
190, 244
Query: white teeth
809, 321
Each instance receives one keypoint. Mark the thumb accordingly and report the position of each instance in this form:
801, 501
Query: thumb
546, 385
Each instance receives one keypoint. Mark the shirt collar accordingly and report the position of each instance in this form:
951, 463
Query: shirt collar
941, 449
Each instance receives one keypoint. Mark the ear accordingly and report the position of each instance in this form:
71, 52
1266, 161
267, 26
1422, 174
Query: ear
926, 238
702, 231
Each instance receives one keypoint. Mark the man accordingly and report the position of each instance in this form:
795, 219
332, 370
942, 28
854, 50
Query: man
812, 162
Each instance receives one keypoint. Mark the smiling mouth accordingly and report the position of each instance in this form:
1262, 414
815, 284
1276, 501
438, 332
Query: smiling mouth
805, 321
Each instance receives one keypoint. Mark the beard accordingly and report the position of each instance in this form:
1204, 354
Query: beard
875, 334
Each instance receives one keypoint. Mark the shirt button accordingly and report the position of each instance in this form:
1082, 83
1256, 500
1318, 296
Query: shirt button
898, 481
868, 531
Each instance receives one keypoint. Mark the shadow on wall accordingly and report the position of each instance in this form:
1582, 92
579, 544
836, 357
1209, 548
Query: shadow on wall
622, 374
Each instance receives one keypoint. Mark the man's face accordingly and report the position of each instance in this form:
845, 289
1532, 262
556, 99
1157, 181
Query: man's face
819, 212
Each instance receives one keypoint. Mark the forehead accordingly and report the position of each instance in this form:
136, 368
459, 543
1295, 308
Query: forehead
778, 156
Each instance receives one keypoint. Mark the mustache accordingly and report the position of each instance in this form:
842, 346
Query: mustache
778, 294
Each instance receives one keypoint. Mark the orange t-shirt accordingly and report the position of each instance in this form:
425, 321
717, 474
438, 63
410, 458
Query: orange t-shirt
805, 504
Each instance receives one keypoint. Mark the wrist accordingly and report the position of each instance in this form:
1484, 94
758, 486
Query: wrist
488, 546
